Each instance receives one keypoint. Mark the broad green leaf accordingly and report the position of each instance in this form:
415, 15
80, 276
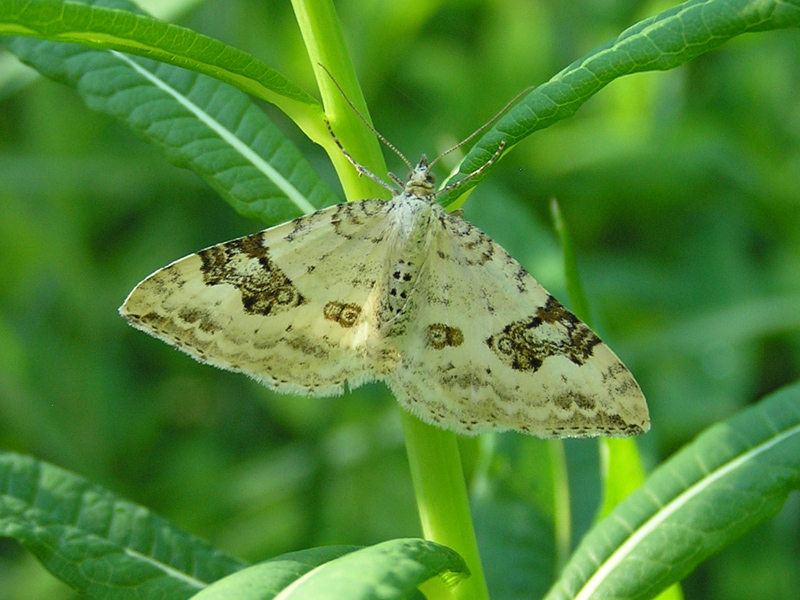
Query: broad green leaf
140, 34
266, 579
200, 123
660, 42
388, 570
102, 546
734, 476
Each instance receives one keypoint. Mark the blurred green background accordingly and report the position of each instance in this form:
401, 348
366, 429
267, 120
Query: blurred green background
682, 191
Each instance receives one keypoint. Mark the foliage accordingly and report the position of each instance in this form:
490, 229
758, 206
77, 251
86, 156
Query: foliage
698, 297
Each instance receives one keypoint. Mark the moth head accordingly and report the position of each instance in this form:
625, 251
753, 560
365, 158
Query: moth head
420, 181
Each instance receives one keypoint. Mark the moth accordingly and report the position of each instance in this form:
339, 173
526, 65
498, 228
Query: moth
403, 292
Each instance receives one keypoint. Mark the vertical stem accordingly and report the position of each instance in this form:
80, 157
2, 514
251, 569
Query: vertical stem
325, 44
433, 454
442, 499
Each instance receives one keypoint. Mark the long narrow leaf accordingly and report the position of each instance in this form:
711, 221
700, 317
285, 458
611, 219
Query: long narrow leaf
93, 24
102, 546
264, 580
733, 477
661, 42
390, 570
199, 122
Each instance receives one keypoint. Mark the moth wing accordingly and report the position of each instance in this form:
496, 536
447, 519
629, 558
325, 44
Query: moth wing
488, 348
293, 306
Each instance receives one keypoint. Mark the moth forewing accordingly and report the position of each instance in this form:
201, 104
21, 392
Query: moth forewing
487, 348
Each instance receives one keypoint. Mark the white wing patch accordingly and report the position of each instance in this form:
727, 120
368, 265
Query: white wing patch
401, 292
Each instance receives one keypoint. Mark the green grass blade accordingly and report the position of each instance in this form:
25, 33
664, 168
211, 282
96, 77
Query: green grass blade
102, 546
734, 476
200, 123
577, 296
661, 42
390, 570
95, 25
623, 471
521, 516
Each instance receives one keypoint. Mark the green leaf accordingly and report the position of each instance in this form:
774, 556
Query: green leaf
734, 476
102, 546
389, 570
264, 580
123, 30
660, 42
200, 123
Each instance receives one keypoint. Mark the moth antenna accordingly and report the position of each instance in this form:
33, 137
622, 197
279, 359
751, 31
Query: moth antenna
476, 172
482, 127
362, 170
396, 180
386, 142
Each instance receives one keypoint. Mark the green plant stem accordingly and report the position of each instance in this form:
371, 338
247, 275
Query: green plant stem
434, 460
326, 47
442, 499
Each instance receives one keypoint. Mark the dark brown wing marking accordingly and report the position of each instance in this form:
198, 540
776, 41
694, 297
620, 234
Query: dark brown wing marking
552, 331
245, 264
